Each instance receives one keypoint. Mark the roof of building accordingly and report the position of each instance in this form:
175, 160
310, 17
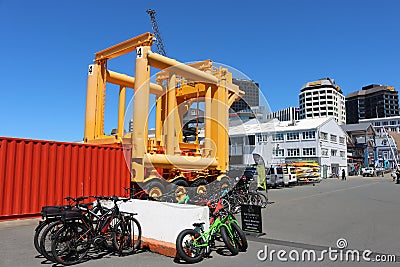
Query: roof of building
380, 119
254, 126
321, 83
361, 128
366, 90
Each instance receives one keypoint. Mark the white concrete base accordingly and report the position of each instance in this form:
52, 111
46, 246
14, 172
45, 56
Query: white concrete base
164, 221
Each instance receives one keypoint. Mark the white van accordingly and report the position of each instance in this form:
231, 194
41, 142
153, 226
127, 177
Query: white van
289, 175
274, 176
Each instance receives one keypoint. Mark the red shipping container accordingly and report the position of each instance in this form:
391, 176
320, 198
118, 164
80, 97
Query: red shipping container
36, 173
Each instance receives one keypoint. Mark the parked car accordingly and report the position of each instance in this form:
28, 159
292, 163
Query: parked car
368, 171
250, 173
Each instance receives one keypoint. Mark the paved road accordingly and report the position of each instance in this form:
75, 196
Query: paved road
364, 211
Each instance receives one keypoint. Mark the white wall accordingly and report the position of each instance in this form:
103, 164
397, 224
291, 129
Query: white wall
164, 221
331, 127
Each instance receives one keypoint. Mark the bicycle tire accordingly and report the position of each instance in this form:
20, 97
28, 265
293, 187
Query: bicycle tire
228, 241
264, 200
47, 237
240, 237
128, 230
38, 234
185, 247
70, 244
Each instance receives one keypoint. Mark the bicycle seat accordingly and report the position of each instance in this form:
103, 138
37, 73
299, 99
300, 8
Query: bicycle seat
198, 224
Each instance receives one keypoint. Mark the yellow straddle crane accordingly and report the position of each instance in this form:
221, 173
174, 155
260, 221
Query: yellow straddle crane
165, 158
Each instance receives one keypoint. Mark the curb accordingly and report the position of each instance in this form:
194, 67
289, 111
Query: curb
160, 247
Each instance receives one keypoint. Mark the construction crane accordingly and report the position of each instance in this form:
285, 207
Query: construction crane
156, 31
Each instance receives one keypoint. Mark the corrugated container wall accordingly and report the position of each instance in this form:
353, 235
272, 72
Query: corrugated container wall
35, 173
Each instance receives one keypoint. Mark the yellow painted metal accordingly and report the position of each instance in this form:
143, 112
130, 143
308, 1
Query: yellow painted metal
125, 47
90, 117
121, 111
208, 123
171, 105
140, 107
173, 66
178, 86
179, 162
100, 95
128, 81
158, 130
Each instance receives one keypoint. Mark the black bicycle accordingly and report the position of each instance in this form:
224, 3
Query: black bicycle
115, 230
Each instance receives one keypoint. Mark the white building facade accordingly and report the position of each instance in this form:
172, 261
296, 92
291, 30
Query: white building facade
389, 123
322, 98
321, 140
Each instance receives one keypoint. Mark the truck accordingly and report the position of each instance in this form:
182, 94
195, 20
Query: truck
307, 171
165, 159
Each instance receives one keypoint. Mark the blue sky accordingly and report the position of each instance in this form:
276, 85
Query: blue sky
281, 44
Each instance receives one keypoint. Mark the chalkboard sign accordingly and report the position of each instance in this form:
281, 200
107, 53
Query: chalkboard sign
251, 219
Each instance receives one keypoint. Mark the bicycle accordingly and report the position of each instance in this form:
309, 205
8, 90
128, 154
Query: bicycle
44, 232
193, 245
113, 230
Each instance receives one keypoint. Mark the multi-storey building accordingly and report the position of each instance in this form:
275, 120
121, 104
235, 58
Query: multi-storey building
287, 114
322, 98
372, 101
320, 139
251, 97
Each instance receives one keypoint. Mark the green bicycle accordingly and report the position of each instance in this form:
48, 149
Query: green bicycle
238, 235
193, 245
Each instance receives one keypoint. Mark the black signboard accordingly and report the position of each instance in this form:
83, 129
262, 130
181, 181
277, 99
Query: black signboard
251, 219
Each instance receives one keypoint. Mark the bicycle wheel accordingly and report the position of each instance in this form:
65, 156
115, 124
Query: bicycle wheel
228, 241
127, 236
47, 237
38, 234
240, 237
70, 244
264, 200
187, 246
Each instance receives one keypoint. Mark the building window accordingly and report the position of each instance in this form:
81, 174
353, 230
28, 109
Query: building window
252, 140
333, 152
277, 137
293, 136
324, 152
293, 152
341, 140
308, 135
278, 152
310, 151
333, 138
262, 138
324, 136
342, 154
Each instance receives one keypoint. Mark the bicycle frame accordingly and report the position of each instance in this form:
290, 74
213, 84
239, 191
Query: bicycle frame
209, 235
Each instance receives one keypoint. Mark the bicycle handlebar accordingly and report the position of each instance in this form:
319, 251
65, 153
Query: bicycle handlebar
77, 200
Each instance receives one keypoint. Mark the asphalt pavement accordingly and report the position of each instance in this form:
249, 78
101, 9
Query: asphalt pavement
362, 213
